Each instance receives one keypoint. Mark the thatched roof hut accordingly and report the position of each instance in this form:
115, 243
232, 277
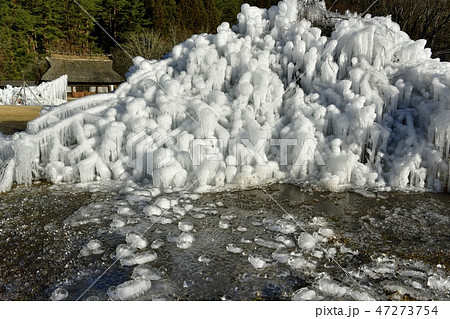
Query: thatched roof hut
86, 75
92, 70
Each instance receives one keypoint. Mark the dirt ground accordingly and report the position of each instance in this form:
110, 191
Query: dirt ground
15, 118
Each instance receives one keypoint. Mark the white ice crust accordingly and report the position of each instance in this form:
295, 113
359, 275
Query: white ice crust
269, 99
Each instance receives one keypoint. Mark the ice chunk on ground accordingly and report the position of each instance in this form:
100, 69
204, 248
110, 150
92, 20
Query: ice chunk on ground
299, 262
287, 226
161, 220
306, 241
136, 240
123, 251
185, 226
92, 247
139, 258
59, 294
361, 296
268, 243
117, 223
152, 210
94, 244
288, 242
317, 253
331, 287
319, 221
185, 240
331, 252
224, 225
257, 261
188, 283
228, 217
281, 255
163, 203
146, 272
130, 289
180, 211
438, 283
204, 259
157, 243
125, 211
234, 249
304, 294
327, 232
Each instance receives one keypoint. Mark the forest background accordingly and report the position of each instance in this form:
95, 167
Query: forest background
31, 29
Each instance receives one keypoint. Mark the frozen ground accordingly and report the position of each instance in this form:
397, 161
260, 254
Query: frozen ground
236, 245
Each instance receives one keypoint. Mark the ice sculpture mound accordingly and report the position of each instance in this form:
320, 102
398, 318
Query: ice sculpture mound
47, 93
269, 99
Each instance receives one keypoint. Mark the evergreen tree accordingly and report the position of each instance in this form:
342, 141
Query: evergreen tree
263, 3
17, 44
193, 15
171, 16
228, 10
119, 18
157, 18
77, 26
212, 15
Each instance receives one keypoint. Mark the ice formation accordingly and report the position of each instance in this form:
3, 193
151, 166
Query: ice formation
136, 240
306, 241
257, 261
130, 289
147, 272
139, 258
92, 247
304, 294
185, 226
185, 240
269, 99
47, 93
272, 247
59, 294
157, 243
234, 249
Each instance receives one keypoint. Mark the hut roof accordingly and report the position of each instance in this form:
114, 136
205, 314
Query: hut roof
82, 69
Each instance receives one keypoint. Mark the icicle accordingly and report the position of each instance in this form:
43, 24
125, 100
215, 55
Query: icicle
23, 150
87, 168
6, 176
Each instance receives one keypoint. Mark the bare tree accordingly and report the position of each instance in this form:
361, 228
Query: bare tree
149, 44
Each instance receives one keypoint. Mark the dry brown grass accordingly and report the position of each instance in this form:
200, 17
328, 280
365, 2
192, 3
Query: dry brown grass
15, 118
